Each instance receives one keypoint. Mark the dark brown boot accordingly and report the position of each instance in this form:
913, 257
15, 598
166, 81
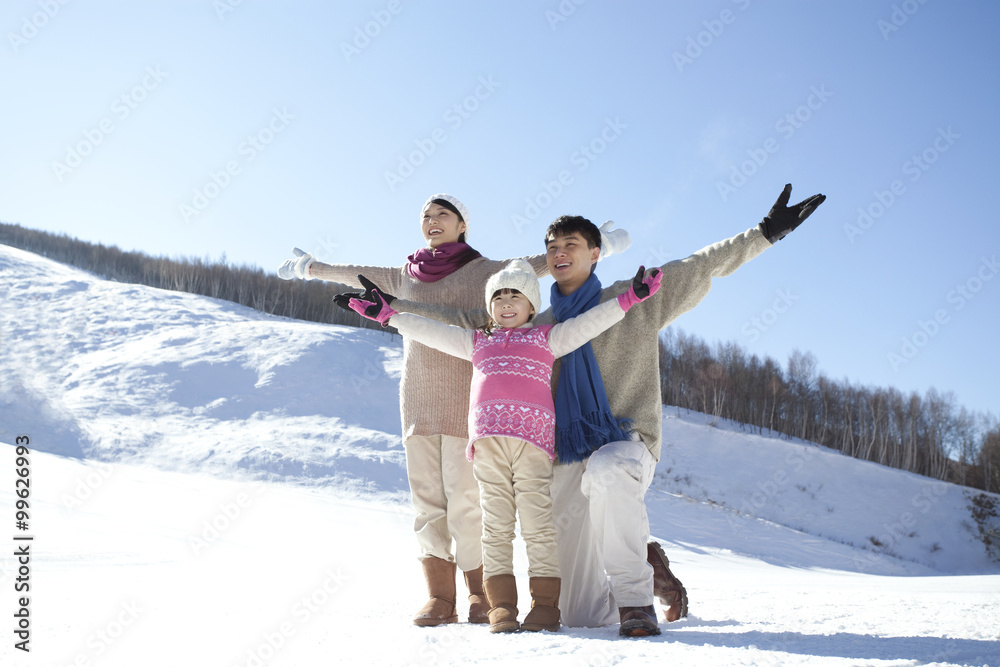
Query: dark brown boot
638, 621
667, 588
440, 609
544, 614
501, 591
479, 608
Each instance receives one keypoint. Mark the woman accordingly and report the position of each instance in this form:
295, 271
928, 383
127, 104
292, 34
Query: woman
434, 400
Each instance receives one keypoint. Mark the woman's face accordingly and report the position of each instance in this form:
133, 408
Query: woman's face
440, 225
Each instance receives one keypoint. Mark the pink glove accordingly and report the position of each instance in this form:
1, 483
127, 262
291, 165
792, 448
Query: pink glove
642, 288
377, 310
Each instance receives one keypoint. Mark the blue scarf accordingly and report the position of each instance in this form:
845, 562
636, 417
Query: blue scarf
583, 415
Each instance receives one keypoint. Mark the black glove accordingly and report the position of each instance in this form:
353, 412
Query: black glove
344, 299
782, 218
370, 287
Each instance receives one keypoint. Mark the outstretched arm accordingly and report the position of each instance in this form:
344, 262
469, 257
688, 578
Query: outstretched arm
373, 305
687, 281
306, 267
444, 337
476, 318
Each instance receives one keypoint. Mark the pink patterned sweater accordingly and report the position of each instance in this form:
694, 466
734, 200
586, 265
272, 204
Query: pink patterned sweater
511, 392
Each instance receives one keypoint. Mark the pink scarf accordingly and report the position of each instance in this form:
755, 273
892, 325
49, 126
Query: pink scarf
432, 264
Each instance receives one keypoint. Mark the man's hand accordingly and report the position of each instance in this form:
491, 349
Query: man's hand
613, 241
782, 218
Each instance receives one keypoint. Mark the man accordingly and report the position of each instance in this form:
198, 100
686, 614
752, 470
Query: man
608, 415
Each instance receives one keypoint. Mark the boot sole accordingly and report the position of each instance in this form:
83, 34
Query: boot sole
431, 622
506, 626
538, 628
656, 549
637, 629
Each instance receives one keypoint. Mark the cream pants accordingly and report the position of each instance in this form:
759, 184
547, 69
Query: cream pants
602, 530
446, 498
514, 478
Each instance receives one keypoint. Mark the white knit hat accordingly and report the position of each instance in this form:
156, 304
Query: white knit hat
518, 275
464, 212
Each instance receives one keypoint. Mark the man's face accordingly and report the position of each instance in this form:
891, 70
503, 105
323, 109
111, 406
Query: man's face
569, 260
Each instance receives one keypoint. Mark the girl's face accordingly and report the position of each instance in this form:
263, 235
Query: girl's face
440, 225
511, 309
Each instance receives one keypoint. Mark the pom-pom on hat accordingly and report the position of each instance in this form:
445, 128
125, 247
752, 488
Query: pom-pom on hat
518, 275
455, 203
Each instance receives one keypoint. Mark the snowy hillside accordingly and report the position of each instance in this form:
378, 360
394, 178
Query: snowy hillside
212, 486
119, 372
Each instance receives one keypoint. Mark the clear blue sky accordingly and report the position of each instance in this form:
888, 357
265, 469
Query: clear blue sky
209, 128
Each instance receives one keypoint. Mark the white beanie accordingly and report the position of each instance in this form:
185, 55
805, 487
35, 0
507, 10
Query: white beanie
518, 275
464, 212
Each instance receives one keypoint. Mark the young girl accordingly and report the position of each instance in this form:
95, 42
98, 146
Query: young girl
512, 424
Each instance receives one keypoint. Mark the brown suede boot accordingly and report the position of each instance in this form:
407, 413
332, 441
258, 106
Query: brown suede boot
479, 608
666, 587
544, 614
501, 591
440, 609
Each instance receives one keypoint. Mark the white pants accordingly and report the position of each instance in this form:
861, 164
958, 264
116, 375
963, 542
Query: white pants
601, 531
445, 496
514, 478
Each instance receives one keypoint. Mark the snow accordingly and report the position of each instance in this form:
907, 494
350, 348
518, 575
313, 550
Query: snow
213, 486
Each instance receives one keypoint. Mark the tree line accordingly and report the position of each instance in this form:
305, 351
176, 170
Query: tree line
310, 300
926, 434
929, 435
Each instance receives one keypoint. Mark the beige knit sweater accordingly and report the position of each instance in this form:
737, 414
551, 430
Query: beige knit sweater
434, 390
628, 353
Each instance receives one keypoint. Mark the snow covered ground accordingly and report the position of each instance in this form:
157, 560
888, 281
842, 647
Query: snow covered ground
211, 486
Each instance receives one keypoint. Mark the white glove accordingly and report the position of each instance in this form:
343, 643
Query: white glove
297, 267
613, 242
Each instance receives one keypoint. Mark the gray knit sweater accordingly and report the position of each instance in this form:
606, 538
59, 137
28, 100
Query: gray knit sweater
627, 354
434, 390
